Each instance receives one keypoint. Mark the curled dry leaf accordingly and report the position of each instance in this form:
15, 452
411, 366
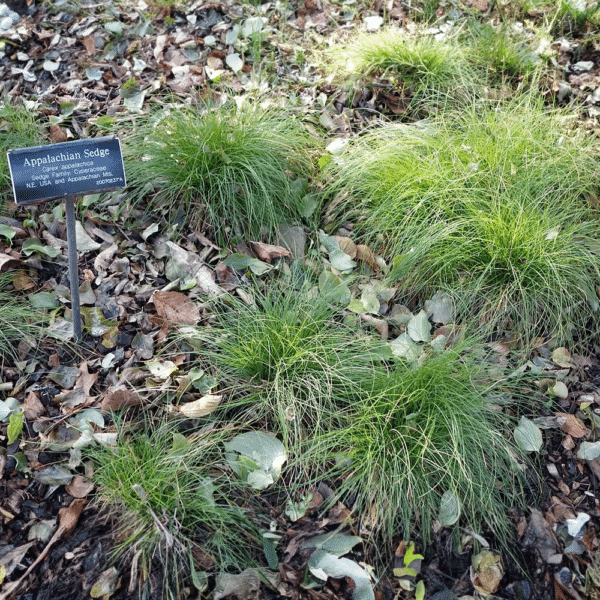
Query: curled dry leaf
68, 516
8, 262
104, 259
572, 425
201, 407
79, 487
176, 307
366, 255
268, 252
379, 324
120, 396
486, 572
346, 245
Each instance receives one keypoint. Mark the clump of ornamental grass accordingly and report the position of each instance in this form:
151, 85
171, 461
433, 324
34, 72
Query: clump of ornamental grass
288, 361
174, 502
428, 74
425, 443
471, 203
503, 53
513, 264
18, 319
234, 170
18, 129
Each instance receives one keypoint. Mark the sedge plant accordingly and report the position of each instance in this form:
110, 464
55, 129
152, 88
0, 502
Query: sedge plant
288, 361
495, 205
19, 128
428, 74
420, 434
18, 319
503, 53
233, 170
174, 501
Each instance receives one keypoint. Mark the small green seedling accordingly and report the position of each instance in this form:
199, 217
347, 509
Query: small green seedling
408, 572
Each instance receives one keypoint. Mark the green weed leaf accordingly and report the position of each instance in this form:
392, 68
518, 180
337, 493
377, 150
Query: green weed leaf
335, 542
322, 565
256, 457
8, 232
43, 300
405, 572
341, 261
404, 347
449, 509
8, 407
528, 435
410, 555
15, 426
33, 245
420, 591
588, 451
419, 328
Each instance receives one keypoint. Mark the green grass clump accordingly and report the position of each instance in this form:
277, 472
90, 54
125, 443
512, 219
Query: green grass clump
504, 54
470, 204
514, 265
289, 362
18, 319
225, 168
418, 432
575, 17
428, 74
18, 129
174, 502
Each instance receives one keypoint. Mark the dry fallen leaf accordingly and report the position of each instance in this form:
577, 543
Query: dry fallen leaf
79, 487
104, 259
119, 396
69, 515
86, 380
201, 407
572, 425
346, 245
33, 407
57, 134
487, 571
8, 262
365, 254
176, 307
562, 358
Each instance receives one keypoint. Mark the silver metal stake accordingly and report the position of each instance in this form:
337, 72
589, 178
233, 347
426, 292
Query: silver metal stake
73, 270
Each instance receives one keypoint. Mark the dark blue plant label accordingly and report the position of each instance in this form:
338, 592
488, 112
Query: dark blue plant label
72, 168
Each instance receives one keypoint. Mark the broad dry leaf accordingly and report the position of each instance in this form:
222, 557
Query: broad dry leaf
57, 134
90, 44
572, 425
176, 307
104, 259
347, 245
562, 358
79, 487
86, 380
68, 516
33, 407
201, 407
367, 256
120, 396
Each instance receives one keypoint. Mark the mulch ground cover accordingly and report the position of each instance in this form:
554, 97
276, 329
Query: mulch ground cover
56, 53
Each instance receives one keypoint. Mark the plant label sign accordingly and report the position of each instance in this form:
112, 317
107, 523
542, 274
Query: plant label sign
75, 168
